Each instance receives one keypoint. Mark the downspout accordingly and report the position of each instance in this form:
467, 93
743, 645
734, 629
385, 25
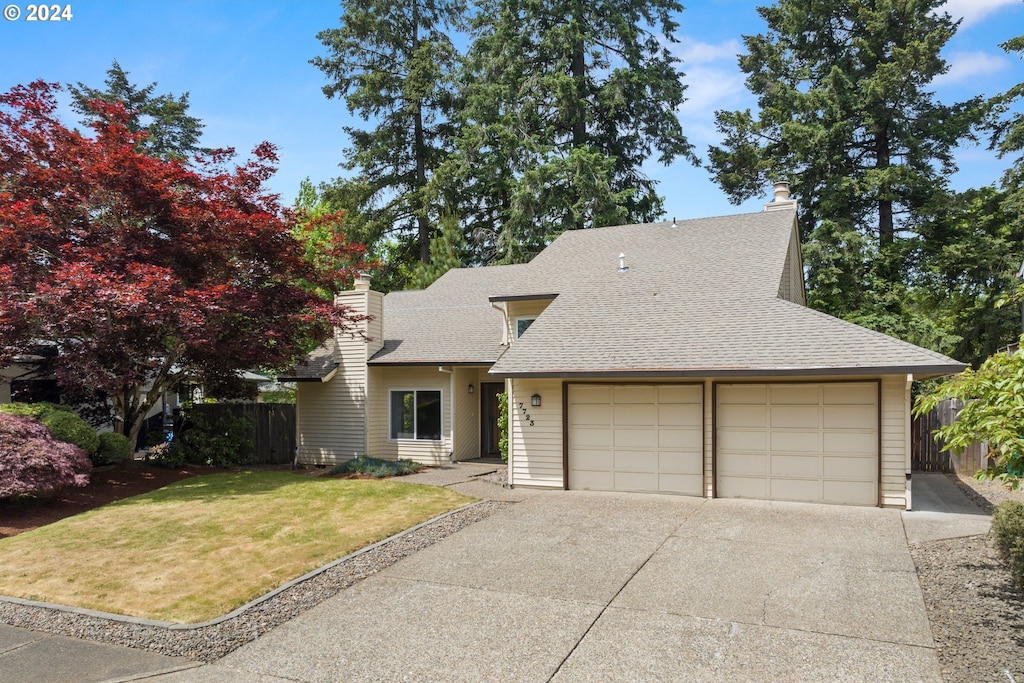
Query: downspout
451, 411
506, 338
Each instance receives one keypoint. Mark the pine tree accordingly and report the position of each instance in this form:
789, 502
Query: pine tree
846, 116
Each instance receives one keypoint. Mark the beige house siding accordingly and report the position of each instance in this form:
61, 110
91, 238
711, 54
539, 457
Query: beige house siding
467, 412
382, 381
535, 450
791, 285
895, 450
331, 417
522, 309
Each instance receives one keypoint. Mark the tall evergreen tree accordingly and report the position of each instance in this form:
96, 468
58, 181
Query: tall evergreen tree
846, 116
564, 101
171, 131
392, 62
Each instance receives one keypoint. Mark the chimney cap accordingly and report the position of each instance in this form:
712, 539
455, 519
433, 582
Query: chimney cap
782, 199
362, 282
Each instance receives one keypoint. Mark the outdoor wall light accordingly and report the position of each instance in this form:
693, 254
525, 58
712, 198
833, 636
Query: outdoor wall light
471, 389
535, 400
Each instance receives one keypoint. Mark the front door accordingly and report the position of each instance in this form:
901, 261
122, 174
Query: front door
489, 393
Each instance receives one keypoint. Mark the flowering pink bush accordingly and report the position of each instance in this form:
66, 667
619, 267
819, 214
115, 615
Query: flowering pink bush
32, 461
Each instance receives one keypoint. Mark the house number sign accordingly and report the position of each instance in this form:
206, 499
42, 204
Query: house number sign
526, 415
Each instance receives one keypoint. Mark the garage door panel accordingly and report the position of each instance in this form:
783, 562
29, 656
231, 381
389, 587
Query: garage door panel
850, 492
679, 415
751, 394
796, 466
680, 462
594, 458
795, 394
671, 483
819, 442
639, 461
688, 439
794, 417
743, 463
637, 437
692, 394
635, 481
744, 416
794, 489
633, 394
591, 415
864, 468
847, 394
798, 442
589, 437
600, 394
863, 443
590, 479
745, 440
742, 487
843, 417
638, 414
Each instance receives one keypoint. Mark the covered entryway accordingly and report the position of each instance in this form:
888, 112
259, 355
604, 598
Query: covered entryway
802, 442
636, 437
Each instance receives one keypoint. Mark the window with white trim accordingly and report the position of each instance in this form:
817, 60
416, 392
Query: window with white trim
522, 324
415, 414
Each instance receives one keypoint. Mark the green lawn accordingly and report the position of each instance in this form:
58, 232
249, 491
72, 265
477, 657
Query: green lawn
201, 547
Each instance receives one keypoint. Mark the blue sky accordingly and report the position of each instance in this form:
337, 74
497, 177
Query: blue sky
246, 67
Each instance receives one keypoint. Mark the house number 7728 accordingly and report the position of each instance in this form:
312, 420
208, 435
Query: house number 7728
526, 414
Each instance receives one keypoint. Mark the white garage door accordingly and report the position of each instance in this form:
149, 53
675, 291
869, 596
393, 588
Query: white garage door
630, 437
804, 442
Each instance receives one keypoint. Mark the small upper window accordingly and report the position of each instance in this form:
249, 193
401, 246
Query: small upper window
522, 324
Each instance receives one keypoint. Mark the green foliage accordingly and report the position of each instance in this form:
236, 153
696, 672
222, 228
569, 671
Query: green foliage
323, 232
394, 63
448, 250
114, 449
217, 442
70, 428
64, 424
562, 105
993, 398
503, 425
172, 133
1008, 530
166, 455
376, 467
845, 114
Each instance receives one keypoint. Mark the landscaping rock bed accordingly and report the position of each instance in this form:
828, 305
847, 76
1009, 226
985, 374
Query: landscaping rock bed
976, 613
208, 643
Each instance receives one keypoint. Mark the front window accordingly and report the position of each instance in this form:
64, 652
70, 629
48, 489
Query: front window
522, 324
416, 415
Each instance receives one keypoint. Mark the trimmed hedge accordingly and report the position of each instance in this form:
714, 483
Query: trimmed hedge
63, 422
113, 449
1008, 529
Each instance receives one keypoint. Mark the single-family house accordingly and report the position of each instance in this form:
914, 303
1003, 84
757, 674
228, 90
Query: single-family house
675, 357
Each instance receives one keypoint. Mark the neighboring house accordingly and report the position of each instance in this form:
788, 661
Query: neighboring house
668, 357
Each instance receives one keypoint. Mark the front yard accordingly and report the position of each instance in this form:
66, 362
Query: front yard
206, 545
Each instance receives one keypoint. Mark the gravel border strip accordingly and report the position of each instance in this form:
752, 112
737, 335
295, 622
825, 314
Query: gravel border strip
210, 641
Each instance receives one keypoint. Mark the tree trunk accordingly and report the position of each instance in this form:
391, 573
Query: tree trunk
886, 230
419, 150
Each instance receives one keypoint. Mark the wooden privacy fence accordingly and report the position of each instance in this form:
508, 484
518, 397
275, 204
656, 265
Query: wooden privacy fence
926, 449
273, 427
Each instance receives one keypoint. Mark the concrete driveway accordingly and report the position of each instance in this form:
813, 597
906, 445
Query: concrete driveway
575, 586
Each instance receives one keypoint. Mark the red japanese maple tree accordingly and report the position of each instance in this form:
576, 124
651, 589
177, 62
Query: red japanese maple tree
146, 272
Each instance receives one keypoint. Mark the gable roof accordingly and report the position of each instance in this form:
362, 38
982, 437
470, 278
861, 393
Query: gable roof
699, 297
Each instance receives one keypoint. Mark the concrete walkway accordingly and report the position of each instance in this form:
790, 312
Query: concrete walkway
941, 511
577, 586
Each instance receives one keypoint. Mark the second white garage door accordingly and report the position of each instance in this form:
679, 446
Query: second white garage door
629, 437
803, 442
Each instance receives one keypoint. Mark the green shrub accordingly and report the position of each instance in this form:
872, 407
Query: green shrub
165, 455
503, 426
376, 467
34, 410
1008, 529
69, 428
114, 448
219, 442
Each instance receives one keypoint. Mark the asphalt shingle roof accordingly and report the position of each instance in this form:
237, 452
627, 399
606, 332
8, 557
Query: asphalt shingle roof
700, 297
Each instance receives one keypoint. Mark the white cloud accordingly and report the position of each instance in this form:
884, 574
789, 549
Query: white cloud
972, 11
695, 52
964, 66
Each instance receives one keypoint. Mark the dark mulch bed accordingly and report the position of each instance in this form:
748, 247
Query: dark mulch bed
106, 485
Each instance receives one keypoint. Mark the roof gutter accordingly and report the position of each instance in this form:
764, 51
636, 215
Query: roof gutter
918, 372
